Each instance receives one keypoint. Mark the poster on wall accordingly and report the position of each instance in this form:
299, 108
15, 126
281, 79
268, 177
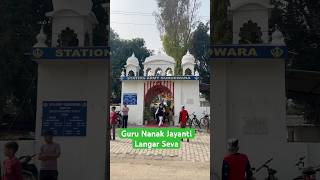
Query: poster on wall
130, 98
64, 118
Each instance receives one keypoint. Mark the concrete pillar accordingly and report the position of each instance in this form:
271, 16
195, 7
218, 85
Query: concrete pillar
82, 157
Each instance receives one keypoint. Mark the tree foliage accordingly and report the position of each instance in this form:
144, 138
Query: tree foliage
221, 27
100, 32
18, 74
200, 48
120, 51
299, 20
176, 19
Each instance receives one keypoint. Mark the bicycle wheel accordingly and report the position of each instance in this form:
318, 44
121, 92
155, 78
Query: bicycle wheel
205, 122
196, 123
189, 123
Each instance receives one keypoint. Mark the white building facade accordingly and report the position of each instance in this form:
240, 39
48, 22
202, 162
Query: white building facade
157, 78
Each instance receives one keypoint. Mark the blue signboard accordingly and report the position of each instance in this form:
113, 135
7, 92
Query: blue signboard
160, 78
248, 51
64, 118
71, 53
130, 99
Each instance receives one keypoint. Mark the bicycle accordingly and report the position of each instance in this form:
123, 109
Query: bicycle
271, 172
194, 121
205, 121
308, 173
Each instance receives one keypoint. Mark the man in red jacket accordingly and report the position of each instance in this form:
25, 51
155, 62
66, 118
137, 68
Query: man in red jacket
113, 121
235, 165
183, 118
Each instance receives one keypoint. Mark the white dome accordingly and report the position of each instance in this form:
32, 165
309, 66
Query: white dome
159, 57
188, 59
133, 60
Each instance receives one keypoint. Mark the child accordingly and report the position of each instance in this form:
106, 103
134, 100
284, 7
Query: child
113, 121
49, 153
12, 166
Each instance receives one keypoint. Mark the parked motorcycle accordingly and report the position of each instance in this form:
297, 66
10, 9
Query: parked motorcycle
29, 171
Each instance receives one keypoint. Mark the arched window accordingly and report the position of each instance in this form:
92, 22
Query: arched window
169, 72
131, 73
148, 72
188, 72
67, 38
158, 72
250, 33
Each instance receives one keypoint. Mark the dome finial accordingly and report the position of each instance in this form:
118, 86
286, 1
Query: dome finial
133, 55
196, 73
277, 36
123, 73
41, 38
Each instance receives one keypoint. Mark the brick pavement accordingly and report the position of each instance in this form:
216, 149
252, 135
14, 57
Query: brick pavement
197, 150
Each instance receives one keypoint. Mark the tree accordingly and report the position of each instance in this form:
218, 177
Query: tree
299, 21
18, 74
120, 51
100, 32
221, 27
200, 48
176, 19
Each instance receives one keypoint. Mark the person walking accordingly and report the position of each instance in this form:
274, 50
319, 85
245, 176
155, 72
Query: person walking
11, 166
235, 165
49, 154
125, 113
113, 121
160, 113
153, 112
183, 118
170, 117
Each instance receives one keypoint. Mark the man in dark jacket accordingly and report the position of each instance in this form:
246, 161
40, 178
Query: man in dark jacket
235, 165
160, 114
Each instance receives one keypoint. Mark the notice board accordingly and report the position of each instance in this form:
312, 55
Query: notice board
64, 118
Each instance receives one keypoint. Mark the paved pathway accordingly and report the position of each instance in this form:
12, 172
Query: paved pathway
188, 163
132, 169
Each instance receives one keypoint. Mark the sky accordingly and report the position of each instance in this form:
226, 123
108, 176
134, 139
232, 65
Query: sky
133, 19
